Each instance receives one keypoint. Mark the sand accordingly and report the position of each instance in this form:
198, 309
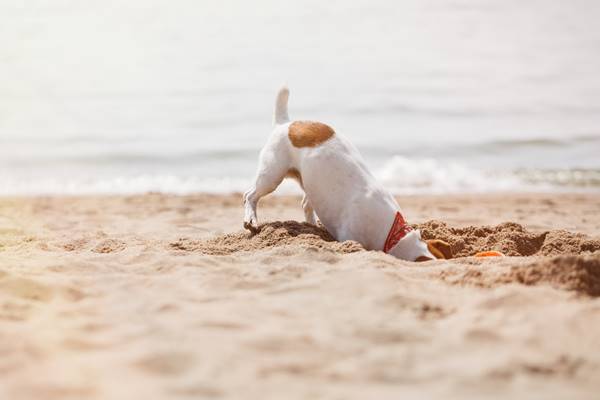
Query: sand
157, 296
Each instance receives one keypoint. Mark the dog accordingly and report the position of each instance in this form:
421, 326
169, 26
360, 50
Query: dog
338, 188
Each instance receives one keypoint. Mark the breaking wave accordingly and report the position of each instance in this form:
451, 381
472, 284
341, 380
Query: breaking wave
402, 175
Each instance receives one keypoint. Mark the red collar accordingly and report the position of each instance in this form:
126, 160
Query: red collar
398, 230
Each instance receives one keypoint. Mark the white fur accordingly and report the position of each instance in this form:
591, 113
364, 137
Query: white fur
338, 187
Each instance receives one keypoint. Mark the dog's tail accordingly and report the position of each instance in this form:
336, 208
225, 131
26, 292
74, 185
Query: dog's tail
281, 106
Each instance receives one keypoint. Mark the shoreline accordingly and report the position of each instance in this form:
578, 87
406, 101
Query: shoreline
571, 211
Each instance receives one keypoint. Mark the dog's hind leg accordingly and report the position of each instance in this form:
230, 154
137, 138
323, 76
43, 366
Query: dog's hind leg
309, 212
272, 168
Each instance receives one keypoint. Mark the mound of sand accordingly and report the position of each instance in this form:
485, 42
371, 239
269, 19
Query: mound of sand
570, 269
270, 235
579, 273
509, 238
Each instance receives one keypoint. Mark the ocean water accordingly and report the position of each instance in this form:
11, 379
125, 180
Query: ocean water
440, 96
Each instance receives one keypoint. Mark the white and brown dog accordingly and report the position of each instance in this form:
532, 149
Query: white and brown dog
338, 188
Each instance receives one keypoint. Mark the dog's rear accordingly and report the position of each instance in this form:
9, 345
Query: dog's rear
273, 162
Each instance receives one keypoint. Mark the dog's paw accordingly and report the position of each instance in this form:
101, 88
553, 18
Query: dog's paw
251, 226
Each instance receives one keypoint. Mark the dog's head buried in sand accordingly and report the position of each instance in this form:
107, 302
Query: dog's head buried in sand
338, 188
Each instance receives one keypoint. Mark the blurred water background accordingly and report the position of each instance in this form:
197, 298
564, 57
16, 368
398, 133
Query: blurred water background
440, 96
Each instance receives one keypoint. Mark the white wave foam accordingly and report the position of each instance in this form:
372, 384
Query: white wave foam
131, 185
121, 185
403, 175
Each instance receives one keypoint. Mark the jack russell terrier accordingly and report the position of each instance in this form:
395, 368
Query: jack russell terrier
338, 188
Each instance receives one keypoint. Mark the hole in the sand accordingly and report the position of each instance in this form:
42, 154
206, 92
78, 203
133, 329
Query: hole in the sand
570, 269
574, 266
508, 238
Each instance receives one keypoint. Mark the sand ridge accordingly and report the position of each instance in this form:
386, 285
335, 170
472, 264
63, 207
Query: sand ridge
509, 238
272, 234
577, 273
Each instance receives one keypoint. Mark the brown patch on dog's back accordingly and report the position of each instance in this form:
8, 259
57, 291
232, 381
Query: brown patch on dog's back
309, 134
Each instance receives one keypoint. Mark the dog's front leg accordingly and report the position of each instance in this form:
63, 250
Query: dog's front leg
272, 168
250, 219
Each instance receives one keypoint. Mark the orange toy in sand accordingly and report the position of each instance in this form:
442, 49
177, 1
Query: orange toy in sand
491, 253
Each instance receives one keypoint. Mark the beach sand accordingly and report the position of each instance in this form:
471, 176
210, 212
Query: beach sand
158, 296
